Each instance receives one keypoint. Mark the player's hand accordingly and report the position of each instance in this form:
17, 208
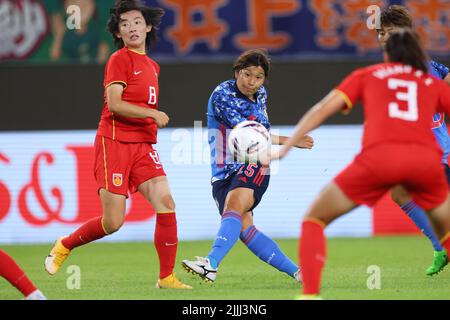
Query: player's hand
306, 142
161, 119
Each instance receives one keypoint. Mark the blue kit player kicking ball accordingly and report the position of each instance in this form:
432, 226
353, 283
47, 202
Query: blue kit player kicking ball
237, 187
392, 19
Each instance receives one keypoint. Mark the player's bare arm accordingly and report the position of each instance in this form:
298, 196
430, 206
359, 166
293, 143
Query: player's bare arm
118, 106
331, 104
306, 142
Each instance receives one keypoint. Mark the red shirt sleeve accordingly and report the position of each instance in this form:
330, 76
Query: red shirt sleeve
351, 89
444, 98
156, 66
117, 70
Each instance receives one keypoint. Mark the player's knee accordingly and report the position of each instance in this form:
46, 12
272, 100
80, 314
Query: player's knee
318, 217
237, 209
234, 204
112, 225
168, 203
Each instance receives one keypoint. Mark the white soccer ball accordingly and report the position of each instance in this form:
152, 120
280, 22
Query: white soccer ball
250, 142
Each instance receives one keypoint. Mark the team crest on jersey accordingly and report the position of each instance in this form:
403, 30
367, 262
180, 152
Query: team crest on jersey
117, 179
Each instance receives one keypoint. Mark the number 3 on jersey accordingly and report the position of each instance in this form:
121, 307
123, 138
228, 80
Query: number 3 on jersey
153, 98
410, 97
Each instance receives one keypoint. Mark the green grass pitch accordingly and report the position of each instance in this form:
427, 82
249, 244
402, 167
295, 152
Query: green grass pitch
129, 271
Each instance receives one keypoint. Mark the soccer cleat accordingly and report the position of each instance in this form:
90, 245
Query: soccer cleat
171, 282
36, 295
439, 262
298, 276
201, 267
56, 257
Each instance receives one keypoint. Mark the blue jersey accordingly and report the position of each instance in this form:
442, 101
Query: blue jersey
228, 107
439, 127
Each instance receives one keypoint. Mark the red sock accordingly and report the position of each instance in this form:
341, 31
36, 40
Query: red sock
88, 232
12, 272
312, 255
446, 242
166, 242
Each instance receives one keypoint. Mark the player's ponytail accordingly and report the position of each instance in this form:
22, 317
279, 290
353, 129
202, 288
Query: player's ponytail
404, 46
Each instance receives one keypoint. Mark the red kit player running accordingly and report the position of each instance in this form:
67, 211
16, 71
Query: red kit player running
125, 159
398, 151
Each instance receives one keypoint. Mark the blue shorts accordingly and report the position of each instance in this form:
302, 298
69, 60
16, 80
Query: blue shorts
251, 176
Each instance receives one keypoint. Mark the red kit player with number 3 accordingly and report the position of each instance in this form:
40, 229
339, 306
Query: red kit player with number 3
125, 160
398, 149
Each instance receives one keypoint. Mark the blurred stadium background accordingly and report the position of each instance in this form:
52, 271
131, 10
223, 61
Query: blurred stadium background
51, 89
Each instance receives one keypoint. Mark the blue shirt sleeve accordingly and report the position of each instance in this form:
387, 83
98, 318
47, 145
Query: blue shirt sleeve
226, 109
439, 69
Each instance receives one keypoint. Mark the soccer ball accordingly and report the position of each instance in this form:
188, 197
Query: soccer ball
250, 142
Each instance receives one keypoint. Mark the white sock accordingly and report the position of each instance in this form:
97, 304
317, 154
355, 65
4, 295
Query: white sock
36, 295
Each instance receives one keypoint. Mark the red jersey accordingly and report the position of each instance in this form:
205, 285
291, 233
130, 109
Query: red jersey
139, 75
398, 102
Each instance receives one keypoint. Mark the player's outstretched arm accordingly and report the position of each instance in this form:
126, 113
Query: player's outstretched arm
331, 104
306, 142
118, 106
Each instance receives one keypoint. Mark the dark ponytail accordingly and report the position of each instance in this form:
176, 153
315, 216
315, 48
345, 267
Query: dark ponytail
404, 46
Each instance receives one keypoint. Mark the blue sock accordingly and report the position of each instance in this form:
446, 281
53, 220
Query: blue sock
420, 218
228, 235
267, 250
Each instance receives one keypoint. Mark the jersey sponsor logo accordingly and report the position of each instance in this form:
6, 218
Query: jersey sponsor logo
117, 179
136, 73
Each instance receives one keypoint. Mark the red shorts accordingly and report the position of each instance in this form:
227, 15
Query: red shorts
123, 166
376, 170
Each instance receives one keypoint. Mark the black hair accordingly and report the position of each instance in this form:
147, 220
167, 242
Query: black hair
253, 58
151, 15
404, 46
396, 16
